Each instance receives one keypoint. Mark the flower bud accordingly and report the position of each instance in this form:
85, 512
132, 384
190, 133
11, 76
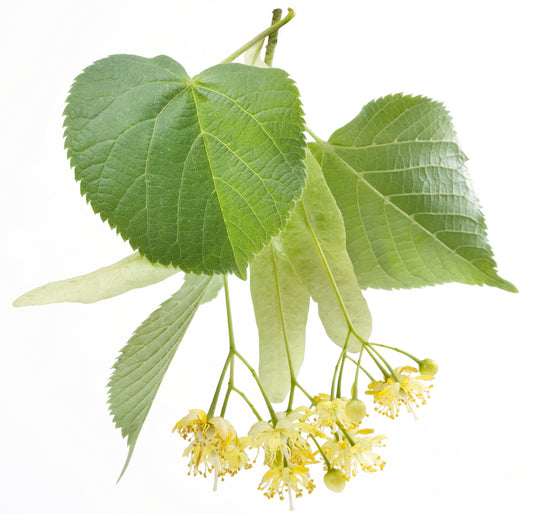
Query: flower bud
355, 410
335, 480
428, 367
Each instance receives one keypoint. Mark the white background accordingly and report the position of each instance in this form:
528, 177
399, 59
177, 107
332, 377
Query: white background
471, 449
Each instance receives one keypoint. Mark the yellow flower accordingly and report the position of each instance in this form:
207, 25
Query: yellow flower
391, 394
350, 458
214, 446
284, 441
386, 396
286, 479
330, 413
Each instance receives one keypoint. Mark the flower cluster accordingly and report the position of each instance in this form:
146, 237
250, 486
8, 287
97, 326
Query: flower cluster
328, 433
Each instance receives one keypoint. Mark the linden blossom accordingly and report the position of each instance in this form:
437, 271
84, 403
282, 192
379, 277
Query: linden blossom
287, 479
389, 395
350, 456
214, 445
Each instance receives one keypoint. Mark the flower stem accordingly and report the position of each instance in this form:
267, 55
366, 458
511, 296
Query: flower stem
418, 361
230, 386
376, 361
228, 316
337, 374
393, 373
245, 398
356, 379
260, 385
310, 398
272, 29
214, 401
326, 460
372, 379
234, 353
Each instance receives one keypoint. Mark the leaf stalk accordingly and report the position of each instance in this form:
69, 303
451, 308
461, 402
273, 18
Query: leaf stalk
266, 33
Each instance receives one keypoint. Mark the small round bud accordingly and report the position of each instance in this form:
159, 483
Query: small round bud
428, 367
355, 410
335, 480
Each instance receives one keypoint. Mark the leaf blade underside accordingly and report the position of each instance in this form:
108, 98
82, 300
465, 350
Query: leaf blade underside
144, 360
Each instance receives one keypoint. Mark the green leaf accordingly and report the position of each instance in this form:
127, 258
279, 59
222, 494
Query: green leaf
281, 304
314, 242
130, 273
195, 172
144, 360
398, 176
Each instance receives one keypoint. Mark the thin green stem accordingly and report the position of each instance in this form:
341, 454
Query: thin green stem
234, 352
354, 392
346, 434
260, 385
228, 315
214, 401
372, 379
272, 38
259, 37
230, 386
376, 361
339, 378
310, 398
337, 373
245, 398
326, 460
393, 373
418, 361
291, 397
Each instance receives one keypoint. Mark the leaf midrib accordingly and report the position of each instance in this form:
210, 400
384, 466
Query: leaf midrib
328, 147
202, 134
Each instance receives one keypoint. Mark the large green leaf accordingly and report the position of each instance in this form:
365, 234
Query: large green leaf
281, 304
398, 176
144, 360
130, 273
315, 244
195, 172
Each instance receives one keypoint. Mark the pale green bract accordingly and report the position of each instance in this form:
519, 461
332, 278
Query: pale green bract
195, 172
411, 218
314, 242
144, 360
133, 272
281, 305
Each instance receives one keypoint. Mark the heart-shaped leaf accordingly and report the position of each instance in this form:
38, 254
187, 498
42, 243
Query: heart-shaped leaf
195, 172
